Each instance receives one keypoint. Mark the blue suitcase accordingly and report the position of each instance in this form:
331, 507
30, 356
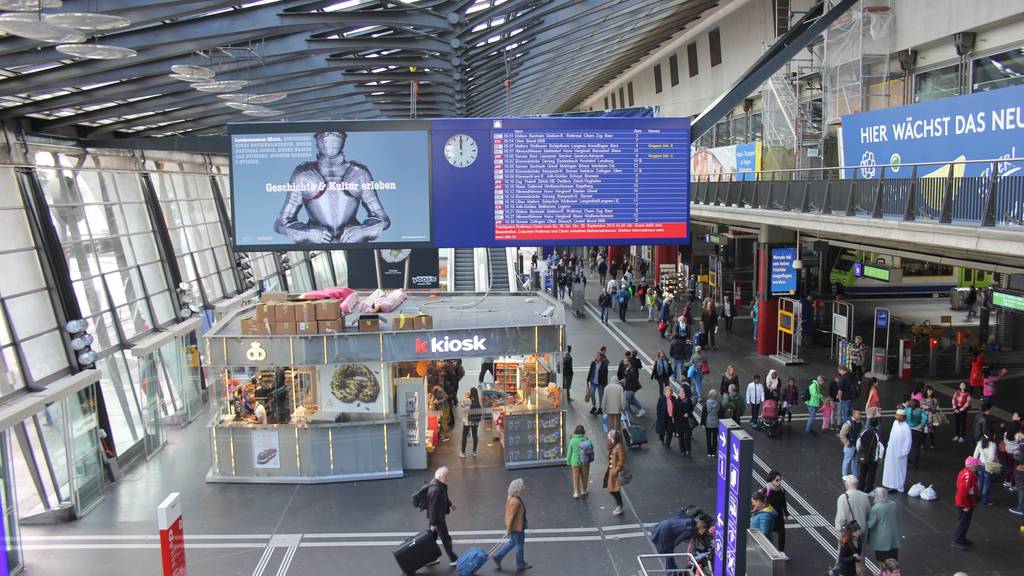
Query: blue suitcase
473, 559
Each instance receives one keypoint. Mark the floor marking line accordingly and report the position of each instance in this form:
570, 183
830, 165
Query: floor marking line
108, 537
287, 561
264, 559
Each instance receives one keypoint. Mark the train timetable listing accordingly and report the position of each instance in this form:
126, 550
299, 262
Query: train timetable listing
576, 185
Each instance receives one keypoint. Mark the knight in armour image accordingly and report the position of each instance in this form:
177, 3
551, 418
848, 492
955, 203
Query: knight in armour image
331, 188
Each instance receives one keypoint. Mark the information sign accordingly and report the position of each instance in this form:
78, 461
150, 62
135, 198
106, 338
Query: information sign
783, 273
1008, 300
879, 273
882, 318
172, 536
722, 495
741, 452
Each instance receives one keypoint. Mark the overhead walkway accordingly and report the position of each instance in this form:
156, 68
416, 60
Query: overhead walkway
927, 208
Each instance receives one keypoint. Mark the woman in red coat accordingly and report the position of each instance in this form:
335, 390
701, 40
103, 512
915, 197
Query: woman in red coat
966, 500
977, 373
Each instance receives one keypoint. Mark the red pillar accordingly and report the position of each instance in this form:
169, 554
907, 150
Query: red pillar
663, 255
616, 254
767, 307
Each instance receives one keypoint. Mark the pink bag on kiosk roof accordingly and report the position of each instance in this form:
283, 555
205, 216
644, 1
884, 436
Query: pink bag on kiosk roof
337, 292
391, 301
349, 303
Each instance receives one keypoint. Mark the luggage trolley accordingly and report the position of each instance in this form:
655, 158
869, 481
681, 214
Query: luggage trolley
654, 565
578, 302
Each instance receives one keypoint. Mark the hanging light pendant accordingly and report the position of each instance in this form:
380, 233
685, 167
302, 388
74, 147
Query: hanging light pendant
221, 85
29, 5
26, 25
96, 51
255, 98
87, 21
192, 72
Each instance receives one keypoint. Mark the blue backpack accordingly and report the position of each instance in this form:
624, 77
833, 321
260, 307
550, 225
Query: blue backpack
586, 452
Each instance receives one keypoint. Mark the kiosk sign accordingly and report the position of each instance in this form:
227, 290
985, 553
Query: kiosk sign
172, 536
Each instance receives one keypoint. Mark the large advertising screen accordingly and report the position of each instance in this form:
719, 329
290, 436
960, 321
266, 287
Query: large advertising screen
330, 185
454, 183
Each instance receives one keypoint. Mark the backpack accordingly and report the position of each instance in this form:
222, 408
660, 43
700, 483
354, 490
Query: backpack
805, 396
586, 451
867, 446
420, 499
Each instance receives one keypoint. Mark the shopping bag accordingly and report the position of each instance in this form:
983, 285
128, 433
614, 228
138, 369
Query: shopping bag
915, 490
929, 494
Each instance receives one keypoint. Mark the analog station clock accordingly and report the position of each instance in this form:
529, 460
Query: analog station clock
460, 150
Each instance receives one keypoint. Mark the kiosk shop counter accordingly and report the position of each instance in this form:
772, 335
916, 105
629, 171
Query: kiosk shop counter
354, 405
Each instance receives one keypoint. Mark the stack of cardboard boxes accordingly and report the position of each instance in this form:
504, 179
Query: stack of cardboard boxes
275, 314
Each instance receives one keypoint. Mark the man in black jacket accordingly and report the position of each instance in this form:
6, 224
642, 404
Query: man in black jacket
438, 508
629, 375
679, 353
597, 379
567, 372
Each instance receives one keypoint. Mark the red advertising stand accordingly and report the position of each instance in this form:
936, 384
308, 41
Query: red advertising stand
172, 536
905, 358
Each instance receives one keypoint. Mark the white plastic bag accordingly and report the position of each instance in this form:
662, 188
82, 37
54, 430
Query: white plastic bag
929, 494
915, 490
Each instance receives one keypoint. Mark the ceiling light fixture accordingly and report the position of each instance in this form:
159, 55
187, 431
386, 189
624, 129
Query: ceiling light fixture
87, 21
221, 85
96, 51
254, 98
267, 112
29, 5
29, 26
192, 71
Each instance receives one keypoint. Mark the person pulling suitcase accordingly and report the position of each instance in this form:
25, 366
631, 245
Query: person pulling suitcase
438, 508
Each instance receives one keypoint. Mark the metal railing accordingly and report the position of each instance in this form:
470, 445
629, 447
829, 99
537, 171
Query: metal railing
940, 192
654, 564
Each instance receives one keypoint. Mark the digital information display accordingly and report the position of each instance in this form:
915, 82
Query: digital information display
1008, 300
454, 183
741, 451
783, 274
582, 185
330, 185
876, 272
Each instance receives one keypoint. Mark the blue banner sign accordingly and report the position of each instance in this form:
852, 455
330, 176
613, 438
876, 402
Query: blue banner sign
980, 126
882, 318
741, 453
783, 273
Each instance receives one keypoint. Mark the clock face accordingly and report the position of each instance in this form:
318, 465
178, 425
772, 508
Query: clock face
460, 150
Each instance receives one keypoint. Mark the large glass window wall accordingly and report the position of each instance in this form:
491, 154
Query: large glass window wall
193, 223
27, 320
998, 70
111, 251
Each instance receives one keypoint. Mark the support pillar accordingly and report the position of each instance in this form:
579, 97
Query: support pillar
767, 308
664, 255
617, 254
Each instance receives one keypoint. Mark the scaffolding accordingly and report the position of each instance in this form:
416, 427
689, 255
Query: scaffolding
855, 71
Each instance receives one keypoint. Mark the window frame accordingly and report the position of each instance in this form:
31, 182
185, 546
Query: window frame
673, 70
691, 58
715, 46
657, 79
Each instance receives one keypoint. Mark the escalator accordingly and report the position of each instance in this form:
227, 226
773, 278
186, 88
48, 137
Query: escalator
465, 277
499, 269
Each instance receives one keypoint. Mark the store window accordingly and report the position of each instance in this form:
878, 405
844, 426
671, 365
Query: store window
299, 279
998, 71
605, 102
935, 84
722, 134
691, 57
738, 129
629, 91
755, 126
673, 70
121, 399
614, 105
622, 96
323, 272
27, 319
715, 45
657, 78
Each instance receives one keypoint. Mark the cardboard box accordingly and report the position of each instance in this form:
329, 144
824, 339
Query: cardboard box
328, 309
265, 312
304, 311
252, 327
305, 328
330, 326
284, 312
274, 297
402, 322
277, 328
424, 322
369, 323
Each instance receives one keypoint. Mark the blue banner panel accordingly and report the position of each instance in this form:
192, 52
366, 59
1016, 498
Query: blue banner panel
981, 126
461, 183
783, 274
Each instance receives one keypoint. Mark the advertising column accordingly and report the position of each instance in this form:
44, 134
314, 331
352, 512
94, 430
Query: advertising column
172, 536
766, 307
741, 455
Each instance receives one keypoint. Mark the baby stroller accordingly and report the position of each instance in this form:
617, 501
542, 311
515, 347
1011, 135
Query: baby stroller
770, 416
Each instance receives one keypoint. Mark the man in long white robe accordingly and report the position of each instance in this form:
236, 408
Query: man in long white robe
895, 474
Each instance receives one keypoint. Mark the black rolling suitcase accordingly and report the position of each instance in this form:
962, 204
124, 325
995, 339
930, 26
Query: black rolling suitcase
635, 436
417, 552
